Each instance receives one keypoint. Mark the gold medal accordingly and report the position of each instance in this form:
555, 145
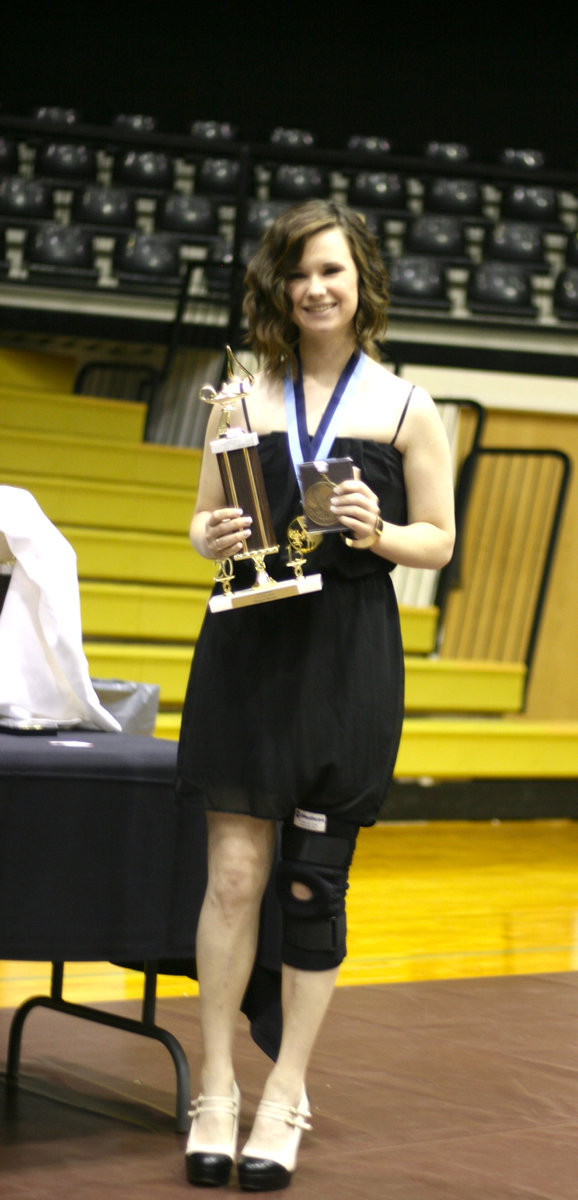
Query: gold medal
316, 502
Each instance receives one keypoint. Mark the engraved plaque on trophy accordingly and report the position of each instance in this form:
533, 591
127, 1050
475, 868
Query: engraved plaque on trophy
240, 469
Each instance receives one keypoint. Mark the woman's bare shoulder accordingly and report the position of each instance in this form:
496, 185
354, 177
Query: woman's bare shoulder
389, 385
265, 403
379, 404
422, 420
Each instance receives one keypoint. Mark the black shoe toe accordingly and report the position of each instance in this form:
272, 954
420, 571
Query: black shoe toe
262, 1175
208, 1170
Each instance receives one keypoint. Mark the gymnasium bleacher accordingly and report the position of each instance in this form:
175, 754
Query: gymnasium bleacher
127, 210
124, 247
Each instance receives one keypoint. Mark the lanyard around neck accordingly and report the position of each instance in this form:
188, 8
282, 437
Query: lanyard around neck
302, 447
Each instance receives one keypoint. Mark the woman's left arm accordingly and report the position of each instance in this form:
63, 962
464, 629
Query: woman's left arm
428, 538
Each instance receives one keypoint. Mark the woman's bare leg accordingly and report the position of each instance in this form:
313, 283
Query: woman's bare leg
306, 998
240, 854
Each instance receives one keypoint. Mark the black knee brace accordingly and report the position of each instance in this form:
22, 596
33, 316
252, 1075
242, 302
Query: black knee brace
316, 851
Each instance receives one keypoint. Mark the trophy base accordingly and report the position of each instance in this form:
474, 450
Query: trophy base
261, 594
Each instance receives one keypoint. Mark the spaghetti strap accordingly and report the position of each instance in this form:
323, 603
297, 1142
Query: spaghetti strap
402, 418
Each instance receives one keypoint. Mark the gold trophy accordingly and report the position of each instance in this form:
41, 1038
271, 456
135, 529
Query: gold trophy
244, 487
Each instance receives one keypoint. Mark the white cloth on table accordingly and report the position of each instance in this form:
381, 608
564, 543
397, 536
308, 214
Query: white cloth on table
43, 669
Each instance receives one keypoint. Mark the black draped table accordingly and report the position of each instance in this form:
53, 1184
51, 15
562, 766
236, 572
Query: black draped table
99, 863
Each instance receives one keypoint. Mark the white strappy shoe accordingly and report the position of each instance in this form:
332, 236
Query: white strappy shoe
209, 1165
258, 1172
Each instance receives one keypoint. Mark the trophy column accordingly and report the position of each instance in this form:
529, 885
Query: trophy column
244, 487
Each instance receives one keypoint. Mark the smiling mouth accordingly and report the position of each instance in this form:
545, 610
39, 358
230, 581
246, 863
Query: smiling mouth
319, 308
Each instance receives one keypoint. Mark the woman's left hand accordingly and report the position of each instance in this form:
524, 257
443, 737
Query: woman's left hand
357, 508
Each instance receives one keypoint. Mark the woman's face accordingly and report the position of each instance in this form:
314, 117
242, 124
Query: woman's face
323, 287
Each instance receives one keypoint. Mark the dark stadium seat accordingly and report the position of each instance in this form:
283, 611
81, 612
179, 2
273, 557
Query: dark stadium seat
60, 254
439, 236
565, 302
294, 183
369, 144
292, 137
518, 242
418, 282
194, 218
218, 177
148, 261
219, 263
455, 197
500, 289
528, 160
383, 192
8, 156
107, 209
260, 215
447, 152
146, 171
23, 201
213, 131
54, 114
532, 202
66, 162
136, 122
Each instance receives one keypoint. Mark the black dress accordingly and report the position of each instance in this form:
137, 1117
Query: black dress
299, 702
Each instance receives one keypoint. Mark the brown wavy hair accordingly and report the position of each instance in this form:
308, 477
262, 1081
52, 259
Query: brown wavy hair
272, 334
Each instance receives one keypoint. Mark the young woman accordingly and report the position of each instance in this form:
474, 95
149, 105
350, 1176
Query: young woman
294, 708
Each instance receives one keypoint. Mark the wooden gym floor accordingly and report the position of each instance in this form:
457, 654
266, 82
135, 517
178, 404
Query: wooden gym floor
447, 1069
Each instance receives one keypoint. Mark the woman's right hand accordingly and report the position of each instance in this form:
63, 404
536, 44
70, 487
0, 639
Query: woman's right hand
226, 530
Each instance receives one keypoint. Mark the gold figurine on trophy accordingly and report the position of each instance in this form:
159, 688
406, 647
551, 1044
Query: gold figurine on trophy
242, 479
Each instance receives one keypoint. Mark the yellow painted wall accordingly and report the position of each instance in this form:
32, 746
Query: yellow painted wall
553, 688
34, 369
